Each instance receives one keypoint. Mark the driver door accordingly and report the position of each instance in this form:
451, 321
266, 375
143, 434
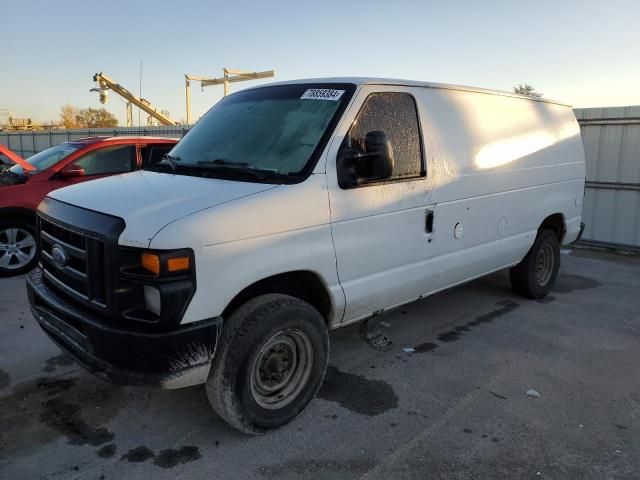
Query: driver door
382, 229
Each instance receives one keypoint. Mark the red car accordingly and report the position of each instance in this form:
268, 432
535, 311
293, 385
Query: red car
25, 184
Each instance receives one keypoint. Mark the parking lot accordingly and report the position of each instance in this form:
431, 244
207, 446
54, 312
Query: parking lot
454, 407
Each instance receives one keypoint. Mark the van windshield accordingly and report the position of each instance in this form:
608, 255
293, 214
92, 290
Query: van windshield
263, 133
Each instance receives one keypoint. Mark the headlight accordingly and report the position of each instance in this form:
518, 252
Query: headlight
152, 299
155, 286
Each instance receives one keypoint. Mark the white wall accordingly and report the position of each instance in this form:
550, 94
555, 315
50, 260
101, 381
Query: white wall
611, 138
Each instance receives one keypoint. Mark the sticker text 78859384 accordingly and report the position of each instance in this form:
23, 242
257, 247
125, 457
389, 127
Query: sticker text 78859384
322, 94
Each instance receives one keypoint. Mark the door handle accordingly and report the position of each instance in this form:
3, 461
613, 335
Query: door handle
428, 221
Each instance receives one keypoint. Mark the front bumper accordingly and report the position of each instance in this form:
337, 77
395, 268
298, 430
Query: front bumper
121, 352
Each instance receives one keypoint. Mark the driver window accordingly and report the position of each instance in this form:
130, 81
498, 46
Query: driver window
118, 159
396, 115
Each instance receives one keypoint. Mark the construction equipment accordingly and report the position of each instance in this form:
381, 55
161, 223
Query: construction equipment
229, 76
105, 84
20, 124
13, 123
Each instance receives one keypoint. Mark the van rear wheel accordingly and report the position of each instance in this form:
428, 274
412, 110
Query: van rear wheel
269, 363
535, 276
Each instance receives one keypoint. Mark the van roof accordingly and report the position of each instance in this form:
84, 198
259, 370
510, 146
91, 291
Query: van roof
412, 83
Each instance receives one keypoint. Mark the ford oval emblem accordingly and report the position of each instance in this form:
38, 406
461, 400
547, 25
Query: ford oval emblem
59, 256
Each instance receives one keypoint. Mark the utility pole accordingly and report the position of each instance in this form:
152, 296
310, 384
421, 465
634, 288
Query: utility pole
229, 76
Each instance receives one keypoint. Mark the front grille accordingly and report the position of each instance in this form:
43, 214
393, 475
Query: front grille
81, 274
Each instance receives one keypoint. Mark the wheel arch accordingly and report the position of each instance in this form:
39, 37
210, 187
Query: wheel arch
303, 284
555, 222
18, 213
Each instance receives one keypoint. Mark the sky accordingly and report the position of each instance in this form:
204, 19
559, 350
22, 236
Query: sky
581, 52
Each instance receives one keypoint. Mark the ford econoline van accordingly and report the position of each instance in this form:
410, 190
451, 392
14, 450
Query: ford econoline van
295, 208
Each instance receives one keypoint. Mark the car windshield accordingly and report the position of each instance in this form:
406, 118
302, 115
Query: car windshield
47, 158
263, 133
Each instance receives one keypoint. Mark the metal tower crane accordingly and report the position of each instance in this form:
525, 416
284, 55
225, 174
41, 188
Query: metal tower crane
229, 76
105, 84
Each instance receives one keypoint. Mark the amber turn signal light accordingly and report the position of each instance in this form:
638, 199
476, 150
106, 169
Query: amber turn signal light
178, 264
151, 262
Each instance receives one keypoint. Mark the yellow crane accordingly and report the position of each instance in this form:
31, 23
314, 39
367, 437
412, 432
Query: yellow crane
105, 84
229, 76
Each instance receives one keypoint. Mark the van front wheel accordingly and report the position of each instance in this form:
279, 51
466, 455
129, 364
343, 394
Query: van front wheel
269, 363
535, 276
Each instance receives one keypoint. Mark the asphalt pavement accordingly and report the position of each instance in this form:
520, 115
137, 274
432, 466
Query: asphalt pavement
448, 401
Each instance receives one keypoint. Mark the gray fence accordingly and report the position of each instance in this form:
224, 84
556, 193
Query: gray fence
28, 143
611, 138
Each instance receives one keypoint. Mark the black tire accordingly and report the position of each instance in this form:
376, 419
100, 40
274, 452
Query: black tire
535, 276
22, 229
236, 380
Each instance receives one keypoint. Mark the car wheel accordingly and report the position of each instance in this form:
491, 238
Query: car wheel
269, 363
17, 247
535, 276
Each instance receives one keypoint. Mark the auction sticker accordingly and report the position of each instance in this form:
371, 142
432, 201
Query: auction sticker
322, 94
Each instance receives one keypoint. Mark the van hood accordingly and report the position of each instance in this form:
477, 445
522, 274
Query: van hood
147, 201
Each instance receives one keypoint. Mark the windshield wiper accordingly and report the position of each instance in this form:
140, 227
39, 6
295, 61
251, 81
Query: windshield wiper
169, 160
242, 167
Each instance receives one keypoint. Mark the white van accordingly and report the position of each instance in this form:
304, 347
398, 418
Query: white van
295, 208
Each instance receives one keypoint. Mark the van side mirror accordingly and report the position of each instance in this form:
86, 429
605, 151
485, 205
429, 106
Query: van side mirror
71, 171
374, 164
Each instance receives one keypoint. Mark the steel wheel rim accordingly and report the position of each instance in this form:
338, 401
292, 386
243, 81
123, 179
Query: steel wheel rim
17, 248
545, 263
281, 369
